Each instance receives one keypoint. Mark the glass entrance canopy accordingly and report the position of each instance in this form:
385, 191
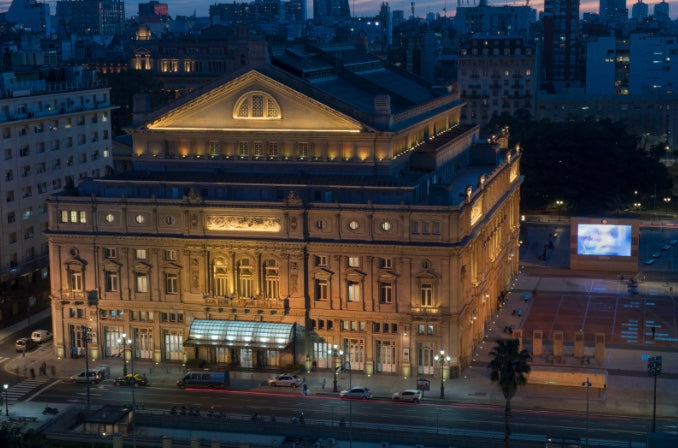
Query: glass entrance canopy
240, 333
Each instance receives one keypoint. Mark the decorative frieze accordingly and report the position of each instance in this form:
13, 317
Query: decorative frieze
243, 223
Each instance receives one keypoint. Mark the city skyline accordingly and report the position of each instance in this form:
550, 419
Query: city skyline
368, 8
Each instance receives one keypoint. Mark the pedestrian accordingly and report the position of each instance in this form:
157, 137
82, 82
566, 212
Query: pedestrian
43, 368
323, 383
32, 373
53, 370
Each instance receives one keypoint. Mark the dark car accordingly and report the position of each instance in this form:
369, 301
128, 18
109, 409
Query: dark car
25, 344
131, 379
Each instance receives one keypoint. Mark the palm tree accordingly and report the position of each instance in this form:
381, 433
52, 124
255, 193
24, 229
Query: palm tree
508, 367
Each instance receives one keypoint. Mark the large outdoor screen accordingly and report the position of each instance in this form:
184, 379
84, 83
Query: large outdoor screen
604, 239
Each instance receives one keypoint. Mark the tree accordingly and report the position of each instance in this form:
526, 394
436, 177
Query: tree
508, 368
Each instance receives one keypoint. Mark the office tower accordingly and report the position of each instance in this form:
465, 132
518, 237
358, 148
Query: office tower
639, 10
561, 34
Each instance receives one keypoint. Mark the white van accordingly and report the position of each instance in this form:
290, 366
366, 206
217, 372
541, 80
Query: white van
41, 336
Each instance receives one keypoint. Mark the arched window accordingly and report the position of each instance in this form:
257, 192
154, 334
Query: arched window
257, 105
245, 278
271, 279
220, 278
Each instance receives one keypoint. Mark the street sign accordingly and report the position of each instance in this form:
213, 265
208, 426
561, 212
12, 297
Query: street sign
654, 365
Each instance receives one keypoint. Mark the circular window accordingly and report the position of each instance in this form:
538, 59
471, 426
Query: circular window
74, 252
139, 219
169, 220
353, 225
386, 225
110, 217
321, 224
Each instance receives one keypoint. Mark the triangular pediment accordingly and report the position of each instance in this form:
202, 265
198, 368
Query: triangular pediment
254, 102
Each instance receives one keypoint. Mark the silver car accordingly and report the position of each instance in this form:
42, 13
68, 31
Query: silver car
412, 395
285, 380
356, 392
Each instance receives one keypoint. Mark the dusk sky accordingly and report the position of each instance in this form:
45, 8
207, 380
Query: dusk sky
365, 7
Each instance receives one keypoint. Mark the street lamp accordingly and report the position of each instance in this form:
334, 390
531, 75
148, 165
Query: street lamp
442, 359
667, 201
637, 205
336, 354
559, 205
122, 340
587, 385
6, 387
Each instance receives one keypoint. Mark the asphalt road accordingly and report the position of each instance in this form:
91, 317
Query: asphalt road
364, 414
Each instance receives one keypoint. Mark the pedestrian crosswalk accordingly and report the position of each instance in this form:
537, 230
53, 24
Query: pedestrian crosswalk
19, 390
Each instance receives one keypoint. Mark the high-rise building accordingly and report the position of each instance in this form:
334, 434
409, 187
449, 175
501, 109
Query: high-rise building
654, 67
639, 10
325, 199
496, 74
54, 135
87, 17
613, 13
153, 8
31, 14
661, 9
561, 34
484, 19
330, 10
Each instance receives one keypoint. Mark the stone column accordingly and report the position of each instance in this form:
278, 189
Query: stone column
537, 342
600, 346
579, 344
558, 343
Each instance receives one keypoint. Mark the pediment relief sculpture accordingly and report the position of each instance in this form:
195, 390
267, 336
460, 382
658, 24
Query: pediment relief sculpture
243, 223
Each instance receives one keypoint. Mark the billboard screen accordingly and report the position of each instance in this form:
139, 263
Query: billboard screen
604, 239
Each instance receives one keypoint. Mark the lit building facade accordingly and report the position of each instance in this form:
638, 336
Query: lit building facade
496, 74
283, 210
53, 135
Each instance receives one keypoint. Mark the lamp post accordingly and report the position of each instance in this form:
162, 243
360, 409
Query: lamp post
559, 205
122, 340
6, 387
654, 368
587, 385
637, 205
442, 358
667, 201
336, 354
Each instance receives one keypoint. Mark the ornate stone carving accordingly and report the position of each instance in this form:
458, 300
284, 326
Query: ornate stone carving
244, 223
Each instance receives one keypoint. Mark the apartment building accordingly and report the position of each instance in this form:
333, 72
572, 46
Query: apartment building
53, 135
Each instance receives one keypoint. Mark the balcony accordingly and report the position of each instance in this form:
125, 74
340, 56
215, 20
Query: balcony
417, 310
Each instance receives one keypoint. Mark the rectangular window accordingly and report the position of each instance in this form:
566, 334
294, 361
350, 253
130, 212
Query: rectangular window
76, 281
141, 282
426, 294
353, 291
111, 281
354, 262
258, 150
273, 151
302, 150
322, 290
386, 263
141, 254
171, 284
110, 252
170, 255
243, 150
321, 260
385, 293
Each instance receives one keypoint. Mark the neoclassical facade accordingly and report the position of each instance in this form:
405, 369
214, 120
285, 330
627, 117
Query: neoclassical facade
289, 208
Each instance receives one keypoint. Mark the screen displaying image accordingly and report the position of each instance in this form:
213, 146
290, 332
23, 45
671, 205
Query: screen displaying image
604, 239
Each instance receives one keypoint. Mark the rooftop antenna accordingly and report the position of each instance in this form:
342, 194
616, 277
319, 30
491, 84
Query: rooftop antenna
412, 6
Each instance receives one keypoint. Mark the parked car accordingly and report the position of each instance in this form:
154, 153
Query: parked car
360, 392
95, 375
25, 344
41, 336
131, 379
412, 395
285, 380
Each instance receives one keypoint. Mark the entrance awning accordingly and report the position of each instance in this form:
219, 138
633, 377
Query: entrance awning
240, 334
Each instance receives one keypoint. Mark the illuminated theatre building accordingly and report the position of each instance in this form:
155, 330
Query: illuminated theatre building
277, 213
